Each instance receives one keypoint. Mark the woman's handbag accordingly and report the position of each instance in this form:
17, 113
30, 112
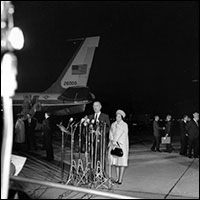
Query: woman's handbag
117, 151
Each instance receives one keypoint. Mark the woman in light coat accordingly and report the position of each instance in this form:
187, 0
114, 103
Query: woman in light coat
118, 136
19, 138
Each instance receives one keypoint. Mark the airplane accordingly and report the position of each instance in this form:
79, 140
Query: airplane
69, 94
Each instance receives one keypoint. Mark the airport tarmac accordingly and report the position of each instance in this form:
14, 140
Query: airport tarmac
149, 175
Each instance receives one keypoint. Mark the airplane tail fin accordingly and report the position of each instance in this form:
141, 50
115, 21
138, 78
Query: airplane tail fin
77, 71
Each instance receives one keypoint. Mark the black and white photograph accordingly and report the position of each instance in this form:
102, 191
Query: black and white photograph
100, 99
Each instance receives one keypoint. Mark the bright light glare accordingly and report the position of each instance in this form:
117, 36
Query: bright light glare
16, 38
8, 75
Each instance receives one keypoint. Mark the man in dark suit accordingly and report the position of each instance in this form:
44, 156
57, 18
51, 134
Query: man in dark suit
48, 137
100, 119
168, 132
156, 134
184, 135
30, 124
98, 116
193, 135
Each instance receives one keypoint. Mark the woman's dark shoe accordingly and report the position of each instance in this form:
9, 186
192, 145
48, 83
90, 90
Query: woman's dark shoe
114, 181
119, 183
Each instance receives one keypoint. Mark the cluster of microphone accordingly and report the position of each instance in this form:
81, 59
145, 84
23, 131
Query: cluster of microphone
84, 121
74, 123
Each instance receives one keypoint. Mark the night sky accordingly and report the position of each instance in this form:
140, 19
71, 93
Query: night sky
147, 60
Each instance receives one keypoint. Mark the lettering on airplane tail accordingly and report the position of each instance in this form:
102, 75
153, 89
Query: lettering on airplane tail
70, 83
75, 76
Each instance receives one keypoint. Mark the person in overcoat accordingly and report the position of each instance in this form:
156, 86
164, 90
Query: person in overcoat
193, 136
184, 135
118, 137
156, 133
48, 137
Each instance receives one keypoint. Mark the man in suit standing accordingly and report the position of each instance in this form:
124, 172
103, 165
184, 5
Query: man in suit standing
156, 133
168, 132
193, 135
184, 135
30, 124
48, 137
100, 119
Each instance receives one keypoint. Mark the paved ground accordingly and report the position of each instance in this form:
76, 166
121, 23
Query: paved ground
149, 175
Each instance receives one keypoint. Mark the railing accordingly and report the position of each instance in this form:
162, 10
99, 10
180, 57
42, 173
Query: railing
72, 188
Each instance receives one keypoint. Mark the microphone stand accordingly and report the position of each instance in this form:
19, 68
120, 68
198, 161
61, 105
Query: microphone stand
80, 169
71, 177
86, 152
62, 157
63, 130
92, 148
96, 145
104, 145
79, 140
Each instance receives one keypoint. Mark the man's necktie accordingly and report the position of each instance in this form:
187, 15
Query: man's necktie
95, 118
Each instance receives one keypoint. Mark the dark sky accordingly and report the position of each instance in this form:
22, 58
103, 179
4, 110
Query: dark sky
146, 60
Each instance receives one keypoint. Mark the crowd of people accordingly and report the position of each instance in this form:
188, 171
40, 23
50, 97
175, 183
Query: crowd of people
25, 138
117, 136
189, 135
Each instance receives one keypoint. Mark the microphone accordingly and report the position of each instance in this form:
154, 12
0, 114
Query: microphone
80, 122
70, 121
62, 128
86, 122
92, 124
72, 124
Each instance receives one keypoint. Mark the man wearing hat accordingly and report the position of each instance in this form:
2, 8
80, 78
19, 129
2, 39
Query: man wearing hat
192, 128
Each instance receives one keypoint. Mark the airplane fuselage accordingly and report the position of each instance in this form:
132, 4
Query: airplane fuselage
47, 102
43, 99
